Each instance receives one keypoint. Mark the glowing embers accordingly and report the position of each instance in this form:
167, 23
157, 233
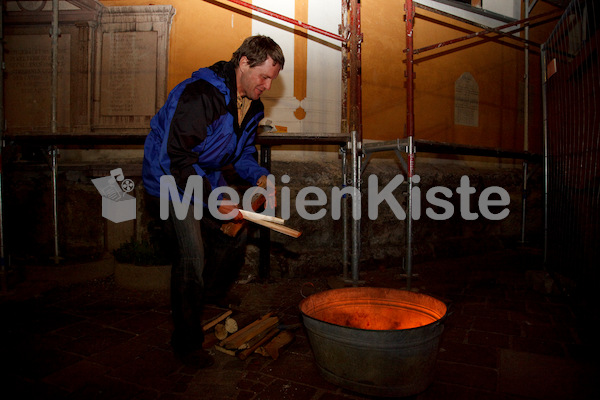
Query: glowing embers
373, 308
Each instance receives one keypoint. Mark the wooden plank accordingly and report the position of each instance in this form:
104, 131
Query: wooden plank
276, 227
238, 342
216, 320
224, 350
242, 331
249, 215
259, 335
242, 355
232, 228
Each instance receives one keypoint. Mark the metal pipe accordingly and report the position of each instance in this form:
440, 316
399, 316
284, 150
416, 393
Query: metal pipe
54, 64
383, 146
524, 202
486, 31
345, 62
428, 146
54, 150
3, 270
53, 156
410, 111
525, 125
344, 155
358, 67
264, 264
355, 208
354, 45
545, 144
287, 19
409, 210
410, 131
526, 89
344, 31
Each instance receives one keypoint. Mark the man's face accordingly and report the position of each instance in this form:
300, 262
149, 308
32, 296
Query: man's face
252, 82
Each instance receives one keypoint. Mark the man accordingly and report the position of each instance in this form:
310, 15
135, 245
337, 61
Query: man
208, 122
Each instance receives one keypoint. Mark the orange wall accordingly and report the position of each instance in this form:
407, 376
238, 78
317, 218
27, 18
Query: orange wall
207, 31
497, 68
202, 33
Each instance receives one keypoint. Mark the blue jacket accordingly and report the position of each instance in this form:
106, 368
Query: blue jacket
197, 132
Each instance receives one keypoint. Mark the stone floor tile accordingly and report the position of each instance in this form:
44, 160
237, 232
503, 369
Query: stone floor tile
467, 375
77, 375
481, 356
97, 341
281, 389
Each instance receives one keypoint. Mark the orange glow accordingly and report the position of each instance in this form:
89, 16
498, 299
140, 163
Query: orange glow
373, 308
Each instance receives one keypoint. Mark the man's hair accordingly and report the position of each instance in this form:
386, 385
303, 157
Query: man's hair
257, 49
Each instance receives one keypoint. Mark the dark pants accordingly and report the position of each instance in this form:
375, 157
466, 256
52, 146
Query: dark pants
206, 265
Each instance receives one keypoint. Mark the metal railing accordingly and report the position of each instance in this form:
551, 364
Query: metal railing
571, 104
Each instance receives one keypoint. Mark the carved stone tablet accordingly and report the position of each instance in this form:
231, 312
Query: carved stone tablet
130, 80
128, 77
28, 90
466, 101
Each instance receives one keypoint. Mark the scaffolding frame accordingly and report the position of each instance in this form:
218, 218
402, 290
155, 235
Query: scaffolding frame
408, 144
351, 139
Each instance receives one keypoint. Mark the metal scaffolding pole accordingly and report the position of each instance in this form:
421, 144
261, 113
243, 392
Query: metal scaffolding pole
355, 126
3, 270
525, 123
53, 149
545, 144
410, 131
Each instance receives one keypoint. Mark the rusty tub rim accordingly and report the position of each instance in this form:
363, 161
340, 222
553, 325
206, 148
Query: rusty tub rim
436, 320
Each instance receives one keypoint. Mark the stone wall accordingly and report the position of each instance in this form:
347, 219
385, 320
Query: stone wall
85, 234
383, 240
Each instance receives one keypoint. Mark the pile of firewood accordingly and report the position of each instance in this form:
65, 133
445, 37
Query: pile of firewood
239, 337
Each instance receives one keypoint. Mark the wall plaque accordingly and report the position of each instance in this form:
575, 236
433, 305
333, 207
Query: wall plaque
128, 76
466, 101
131, 67
28, 91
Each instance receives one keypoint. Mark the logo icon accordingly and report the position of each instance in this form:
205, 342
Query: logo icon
117, 204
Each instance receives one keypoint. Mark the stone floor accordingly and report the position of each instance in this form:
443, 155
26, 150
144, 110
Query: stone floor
70, 332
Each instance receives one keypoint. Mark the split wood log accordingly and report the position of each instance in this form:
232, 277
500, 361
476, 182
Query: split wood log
231, 325
216, 320
220, 331
267, 327
241, 320
242, 331
278, 343
240, 341
242, 355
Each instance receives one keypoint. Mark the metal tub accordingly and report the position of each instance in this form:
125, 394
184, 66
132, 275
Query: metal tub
375, 341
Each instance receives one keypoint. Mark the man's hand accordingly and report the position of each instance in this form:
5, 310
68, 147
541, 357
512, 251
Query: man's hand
227, 207
265, 183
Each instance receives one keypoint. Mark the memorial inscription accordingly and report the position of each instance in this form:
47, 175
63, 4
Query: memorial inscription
466, 101
128, 84
28, 61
